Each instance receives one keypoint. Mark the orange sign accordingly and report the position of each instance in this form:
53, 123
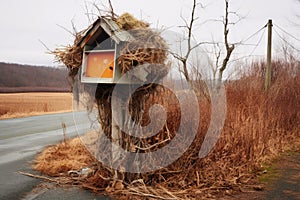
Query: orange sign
100, 64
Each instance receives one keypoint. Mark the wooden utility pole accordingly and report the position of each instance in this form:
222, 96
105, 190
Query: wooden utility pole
269, 56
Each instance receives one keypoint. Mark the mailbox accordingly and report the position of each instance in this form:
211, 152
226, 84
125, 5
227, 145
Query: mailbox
101, 44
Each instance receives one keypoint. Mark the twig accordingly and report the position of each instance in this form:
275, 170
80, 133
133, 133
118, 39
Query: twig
134, 191
152, 146
39, 177
86, 186
111, 9
72, 33
48, 49
64, 131
167, 191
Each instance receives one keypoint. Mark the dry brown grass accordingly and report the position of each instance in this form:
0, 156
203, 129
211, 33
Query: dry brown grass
14, 105
60, 158
258, 127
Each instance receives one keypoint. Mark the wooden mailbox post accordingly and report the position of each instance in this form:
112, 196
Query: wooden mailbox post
101, 46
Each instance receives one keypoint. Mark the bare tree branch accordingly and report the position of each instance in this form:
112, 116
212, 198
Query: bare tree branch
73, 33
105, 10
87, 12
189, 26
229, 48
217, 51
111, 9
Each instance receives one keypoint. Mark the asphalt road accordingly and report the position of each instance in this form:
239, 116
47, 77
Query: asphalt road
20, 140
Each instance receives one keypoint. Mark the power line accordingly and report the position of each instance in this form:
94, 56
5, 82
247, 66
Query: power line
285, 41
241, 58
242, 43
251, 54
287, 33
259, 41
254, 34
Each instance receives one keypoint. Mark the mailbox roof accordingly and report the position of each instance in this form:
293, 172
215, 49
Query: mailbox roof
110, 27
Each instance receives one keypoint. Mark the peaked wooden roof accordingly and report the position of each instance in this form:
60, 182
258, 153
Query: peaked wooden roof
110, 27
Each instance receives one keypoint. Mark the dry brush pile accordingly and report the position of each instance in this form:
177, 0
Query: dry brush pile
259, 125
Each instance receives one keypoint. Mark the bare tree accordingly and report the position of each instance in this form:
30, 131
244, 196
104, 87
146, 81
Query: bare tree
216, 68
184, 58
218, 63
229, 47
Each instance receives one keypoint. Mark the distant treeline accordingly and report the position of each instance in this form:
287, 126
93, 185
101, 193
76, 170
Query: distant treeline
26, 78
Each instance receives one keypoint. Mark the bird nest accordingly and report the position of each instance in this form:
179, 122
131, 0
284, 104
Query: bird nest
147, 47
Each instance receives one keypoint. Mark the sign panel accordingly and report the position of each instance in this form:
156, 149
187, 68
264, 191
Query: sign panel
100, 64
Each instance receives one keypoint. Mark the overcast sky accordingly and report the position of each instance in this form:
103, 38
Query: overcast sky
25, 23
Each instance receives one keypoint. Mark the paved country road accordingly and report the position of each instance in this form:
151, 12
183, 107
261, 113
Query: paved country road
20, 140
